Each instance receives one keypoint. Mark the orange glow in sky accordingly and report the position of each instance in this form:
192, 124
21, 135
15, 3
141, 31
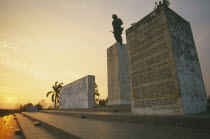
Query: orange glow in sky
9, 99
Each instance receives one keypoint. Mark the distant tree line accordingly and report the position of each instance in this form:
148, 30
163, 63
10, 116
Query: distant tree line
55, 97
6, 112
42, 105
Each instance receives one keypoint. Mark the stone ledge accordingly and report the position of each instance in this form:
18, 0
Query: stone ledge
186, 121
30, 131
107, 108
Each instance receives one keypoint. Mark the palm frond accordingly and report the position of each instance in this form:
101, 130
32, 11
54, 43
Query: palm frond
56, 93
96, 85
58, 99
97, 94
48, 93
54, 88
57, 88
56, 84
53, 98
60, 85
97, 99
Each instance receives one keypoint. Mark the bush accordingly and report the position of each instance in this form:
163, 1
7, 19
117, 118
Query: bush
102, 102
208, 100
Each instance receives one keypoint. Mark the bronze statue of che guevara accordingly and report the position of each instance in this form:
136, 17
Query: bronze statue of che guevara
117, 29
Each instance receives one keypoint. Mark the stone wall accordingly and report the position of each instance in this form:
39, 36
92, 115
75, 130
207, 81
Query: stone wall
187, 64
78, 94
156, 80
118, 82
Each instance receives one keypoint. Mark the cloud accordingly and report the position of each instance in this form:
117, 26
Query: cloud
7, 90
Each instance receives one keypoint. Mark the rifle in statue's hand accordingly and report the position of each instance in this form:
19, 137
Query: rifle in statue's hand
112, 31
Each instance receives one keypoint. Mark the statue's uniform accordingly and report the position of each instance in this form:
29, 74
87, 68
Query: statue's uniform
117, 29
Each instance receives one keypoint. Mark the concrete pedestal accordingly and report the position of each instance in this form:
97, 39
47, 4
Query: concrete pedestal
118, 82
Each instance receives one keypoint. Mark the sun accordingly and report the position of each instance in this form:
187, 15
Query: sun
9, 99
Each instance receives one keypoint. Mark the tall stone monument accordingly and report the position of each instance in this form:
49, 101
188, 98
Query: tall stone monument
118, 82
164, 68
78, 94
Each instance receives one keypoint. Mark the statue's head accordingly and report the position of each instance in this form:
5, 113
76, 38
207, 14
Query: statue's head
114, 16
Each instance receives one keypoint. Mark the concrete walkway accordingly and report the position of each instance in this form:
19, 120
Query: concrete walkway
30, 131
96, 129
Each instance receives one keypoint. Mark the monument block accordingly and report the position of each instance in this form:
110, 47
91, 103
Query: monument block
164, 68
32, 108
118, 82
78, 94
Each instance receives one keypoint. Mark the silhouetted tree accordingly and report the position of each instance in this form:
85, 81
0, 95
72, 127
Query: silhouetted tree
102, 102
96, 95
51, 106
39, 106
42, 104
208, 100
23, 107
107, 100
56, 93
17, 107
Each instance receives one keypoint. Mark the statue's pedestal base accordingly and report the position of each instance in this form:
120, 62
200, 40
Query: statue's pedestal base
118, 82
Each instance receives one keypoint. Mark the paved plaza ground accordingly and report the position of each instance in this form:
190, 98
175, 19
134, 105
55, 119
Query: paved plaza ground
100, 129
57, 126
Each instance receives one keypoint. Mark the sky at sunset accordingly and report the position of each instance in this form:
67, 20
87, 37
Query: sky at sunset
43, 41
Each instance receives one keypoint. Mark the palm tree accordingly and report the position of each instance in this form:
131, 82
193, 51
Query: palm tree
56, 93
